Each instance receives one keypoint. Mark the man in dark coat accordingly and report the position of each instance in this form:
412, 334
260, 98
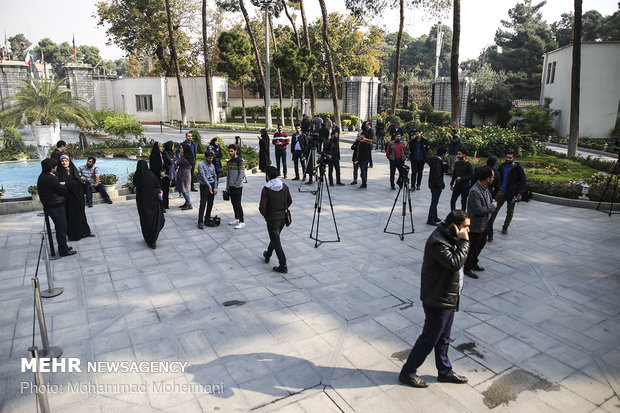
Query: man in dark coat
61, 146
511, 187
397, 155
453, 149
435, 184
332, 148
52, 195
459, 184
298, 148
418, 148
444, 255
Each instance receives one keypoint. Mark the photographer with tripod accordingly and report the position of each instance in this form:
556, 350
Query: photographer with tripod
332, 148
397, 155
310, 154
298, 149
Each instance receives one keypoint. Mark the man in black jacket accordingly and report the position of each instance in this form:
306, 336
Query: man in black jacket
418, 148
444, 256
298, 148
332, 148
436, 184
511, 186
52, 195
459, 185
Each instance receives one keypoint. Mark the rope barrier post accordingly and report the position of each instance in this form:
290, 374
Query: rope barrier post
51, 352
161, 127
38, 381
51, 291
49, 235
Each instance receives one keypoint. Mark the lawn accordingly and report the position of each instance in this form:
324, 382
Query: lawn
553, 169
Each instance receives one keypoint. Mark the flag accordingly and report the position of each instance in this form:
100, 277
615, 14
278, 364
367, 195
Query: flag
74, 50
6, 48
28, 60
42, 59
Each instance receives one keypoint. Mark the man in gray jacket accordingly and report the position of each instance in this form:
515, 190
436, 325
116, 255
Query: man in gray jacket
234, 184
480, 207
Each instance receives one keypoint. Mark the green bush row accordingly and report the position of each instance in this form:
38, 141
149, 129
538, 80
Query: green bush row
256, 112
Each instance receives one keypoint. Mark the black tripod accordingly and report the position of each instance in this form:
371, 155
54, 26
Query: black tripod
317, 206
310, 171
403, 183
613, 177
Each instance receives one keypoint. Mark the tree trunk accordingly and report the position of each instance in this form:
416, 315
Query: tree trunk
293, 106
330, 65
205, 52
245, 119
275, 48
399, 42
175, 62
575, 89
299, 46
259, 64
454, 64
307, 36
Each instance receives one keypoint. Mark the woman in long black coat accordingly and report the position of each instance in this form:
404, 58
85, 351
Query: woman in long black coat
169, 173
147, 199
157, 166
77, 225
263, 151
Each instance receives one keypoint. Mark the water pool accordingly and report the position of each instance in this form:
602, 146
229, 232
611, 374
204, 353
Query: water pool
16, 177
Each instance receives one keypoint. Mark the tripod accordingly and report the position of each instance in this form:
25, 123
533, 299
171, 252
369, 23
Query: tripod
317, 207
614, 177
311, 173
406, 197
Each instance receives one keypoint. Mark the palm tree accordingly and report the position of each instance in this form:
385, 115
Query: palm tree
43, 102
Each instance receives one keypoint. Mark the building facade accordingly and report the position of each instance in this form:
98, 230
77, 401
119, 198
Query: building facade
599, 107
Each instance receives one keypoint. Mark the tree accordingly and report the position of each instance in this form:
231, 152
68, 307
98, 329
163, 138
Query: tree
330, 65
207, 52
297, 64
575, 90
19, 46
519, 49
490, 94
304, 22
535, 119
235, 61
175, 63
44, 102
275, 48
140, 28
90, 55
454, 63
362, 7
593, 24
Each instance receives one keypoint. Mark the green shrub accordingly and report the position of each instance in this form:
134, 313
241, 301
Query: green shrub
355, 120
121, 124
596, 192
535, 120
100, 116
405, 115
568, 190
200, 148
13, 141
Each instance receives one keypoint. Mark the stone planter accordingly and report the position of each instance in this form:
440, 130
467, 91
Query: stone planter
132, 157
109, 188
110, 156
46, 135
35, 198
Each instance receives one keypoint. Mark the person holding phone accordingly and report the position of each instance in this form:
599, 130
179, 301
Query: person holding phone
445, 253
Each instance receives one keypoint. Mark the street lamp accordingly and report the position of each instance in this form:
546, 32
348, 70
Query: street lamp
269, 7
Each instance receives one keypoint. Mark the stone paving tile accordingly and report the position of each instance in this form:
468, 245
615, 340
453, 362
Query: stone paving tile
344, 316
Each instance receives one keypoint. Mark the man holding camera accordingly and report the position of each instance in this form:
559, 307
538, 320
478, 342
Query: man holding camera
397, 154
444, 256
331, 150
298, 148
418, 147
280, 142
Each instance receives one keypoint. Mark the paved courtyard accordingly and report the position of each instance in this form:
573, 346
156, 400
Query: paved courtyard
538, 332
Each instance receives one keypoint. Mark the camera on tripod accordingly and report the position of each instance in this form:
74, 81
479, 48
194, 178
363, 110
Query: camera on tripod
324, 158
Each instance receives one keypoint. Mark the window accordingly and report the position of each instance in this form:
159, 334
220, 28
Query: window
144, 103
553, 72
548, 73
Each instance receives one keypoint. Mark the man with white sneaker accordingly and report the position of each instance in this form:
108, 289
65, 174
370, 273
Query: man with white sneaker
234, 184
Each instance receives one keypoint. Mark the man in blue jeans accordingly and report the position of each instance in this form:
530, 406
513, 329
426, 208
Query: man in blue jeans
90, 181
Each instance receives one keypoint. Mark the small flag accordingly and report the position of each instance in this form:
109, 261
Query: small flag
74, 50
42, 59
6, 48
28, 60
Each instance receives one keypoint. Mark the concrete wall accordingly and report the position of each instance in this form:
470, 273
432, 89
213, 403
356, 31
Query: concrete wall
600, 88
361, 96
120, 95
322, 105
442, 97
80, 81
10, 73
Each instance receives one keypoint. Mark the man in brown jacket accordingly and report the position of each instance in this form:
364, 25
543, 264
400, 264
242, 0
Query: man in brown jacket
275, 199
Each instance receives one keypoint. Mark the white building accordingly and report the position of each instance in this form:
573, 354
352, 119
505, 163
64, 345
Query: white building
599, 106
152, 99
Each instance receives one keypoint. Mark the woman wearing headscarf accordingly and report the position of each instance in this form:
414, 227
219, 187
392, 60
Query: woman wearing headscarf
263, 151
185, 163
170, 171
156, 165
147, 200
214, 146
77, 225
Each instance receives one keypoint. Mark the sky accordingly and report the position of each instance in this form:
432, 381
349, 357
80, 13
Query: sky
60, 20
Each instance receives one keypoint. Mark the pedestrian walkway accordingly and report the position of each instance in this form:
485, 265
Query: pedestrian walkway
538, 332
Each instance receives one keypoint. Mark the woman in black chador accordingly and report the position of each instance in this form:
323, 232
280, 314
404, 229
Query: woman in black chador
157, 164
147, 199
263, 151
77, 225
169, 171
